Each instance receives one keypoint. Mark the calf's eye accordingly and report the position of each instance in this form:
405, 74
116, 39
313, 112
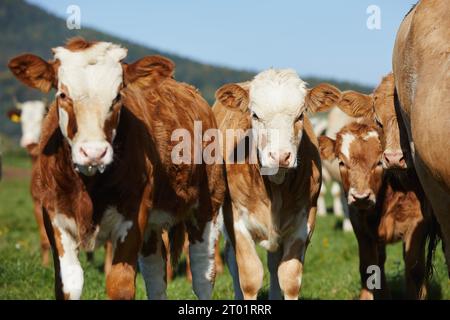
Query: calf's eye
254, 116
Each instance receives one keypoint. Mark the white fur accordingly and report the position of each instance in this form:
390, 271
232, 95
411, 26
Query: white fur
277, 97
347, 140
93, 77
64, 123
32, 115
202, 261
370, 134
71, 271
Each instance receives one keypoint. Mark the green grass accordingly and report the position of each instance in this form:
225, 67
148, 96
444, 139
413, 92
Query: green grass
331, 268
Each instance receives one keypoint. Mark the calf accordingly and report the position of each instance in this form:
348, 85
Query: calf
275, 183
106, 169
384, 206
30, 114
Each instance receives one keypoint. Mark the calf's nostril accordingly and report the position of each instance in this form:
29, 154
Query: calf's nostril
84, 153
103, 154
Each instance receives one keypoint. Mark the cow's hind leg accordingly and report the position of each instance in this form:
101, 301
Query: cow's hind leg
230, 258
45, 243
201, 254
152, 263
273, 262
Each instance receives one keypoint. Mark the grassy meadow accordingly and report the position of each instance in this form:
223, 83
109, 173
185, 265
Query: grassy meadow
331, 268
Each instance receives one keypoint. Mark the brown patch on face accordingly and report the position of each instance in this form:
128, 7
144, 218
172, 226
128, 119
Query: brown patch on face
66, 103
112, 121
362, 170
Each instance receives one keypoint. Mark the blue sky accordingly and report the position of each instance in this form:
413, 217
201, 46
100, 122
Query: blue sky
326, 38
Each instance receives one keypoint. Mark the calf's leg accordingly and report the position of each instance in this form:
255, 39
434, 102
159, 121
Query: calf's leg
152, 263
201, 255
45, 243
61, 231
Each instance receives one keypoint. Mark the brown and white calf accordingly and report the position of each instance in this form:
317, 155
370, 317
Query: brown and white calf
274, 185
30, 114
106, 169
384, 206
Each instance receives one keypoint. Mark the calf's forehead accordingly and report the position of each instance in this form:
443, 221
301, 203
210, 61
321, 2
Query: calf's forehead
92, 73
363, 146
274, 92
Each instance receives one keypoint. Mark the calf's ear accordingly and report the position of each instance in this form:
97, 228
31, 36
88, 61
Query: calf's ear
326, 148
34, 71
150, 68
322, 97
233, 96
357, 104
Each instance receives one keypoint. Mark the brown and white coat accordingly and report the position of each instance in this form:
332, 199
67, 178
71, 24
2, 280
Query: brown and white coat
106, 169
276, 211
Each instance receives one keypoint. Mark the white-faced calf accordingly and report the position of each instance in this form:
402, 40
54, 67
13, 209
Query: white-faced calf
273, 194
105, 167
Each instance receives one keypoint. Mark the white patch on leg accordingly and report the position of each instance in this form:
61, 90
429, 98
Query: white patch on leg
203, 262
70, 269
153, 269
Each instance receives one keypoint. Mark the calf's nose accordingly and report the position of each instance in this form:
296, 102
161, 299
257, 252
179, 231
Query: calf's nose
361, 196
93, 152
283, 158
394, 159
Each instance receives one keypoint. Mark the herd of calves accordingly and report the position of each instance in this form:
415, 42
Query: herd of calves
127, 157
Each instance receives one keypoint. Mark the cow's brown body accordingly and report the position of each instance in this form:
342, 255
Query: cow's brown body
421, 66
141, 192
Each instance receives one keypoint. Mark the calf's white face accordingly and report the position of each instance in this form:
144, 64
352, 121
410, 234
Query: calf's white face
31, 116
89, 82
277, 103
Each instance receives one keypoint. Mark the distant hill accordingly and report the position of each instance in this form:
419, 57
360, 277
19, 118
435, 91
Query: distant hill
28, 28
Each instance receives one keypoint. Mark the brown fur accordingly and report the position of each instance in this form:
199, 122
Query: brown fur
249, 189
142, 176
398, 214
421, 67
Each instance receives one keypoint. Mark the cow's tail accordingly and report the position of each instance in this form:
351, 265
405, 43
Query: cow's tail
176, 242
